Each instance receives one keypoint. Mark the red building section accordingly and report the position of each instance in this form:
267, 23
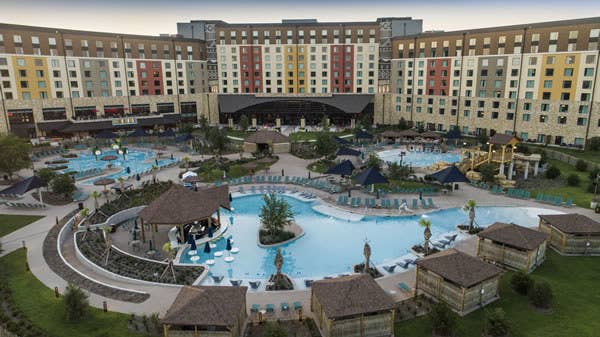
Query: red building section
251, 68
150, 78
342, 68
438, 77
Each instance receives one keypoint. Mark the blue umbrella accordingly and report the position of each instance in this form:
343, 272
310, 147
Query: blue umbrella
450, 174
210, 231
134, 234
192, 242
228, 247
128, 170
167, 133
369, 177
344, 168
207, 248
137, 177
149, 244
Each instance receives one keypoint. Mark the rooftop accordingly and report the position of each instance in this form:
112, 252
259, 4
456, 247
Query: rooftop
207, 305
266, 136
572, 223
459, 268
351, 295
514, 235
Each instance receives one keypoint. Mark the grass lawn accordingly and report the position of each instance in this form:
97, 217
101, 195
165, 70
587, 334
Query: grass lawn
579, 193
575, 312
47, 312
10, 223
306, 136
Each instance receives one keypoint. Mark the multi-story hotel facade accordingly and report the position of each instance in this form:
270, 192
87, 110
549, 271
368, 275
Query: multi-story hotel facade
537, 81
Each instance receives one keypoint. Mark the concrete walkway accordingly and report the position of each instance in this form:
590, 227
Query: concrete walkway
161, 297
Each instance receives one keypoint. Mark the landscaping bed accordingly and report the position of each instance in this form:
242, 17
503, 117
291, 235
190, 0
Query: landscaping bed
94, 247
51, 198
267, 238
279, 282
321, 166
135, 197
211, 170
359, 268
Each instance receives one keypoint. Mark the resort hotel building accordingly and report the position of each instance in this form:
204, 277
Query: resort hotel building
535, 81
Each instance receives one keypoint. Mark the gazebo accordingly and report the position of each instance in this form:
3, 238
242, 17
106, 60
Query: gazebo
179, 206
572, 234
271, 141
362, 135
513, 246
353, 306
450, 175
506, 144
346, 153
344, 168
463, 281
210, 311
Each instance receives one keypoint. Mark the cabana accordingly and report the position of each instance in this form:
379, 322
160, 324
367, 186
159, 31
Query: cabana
450, 175
210, 311
463, 281
20, 188
362, 136
270, 141
179, 206
139, 132
572, 234
370, 176
352, 306
513, 246
346, 153
344, 168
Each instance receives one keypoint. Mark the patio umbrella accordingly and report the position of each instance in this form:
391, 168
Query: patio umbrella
210, 231
137, 177
450, 174
184, 137
192, 242
360, 134
24, 186
207, 248
139, 132
150, 245
109, 157
370, 177
230, 198
228, 246
346, 151
128, 170
341, 141
344, 168
104, 182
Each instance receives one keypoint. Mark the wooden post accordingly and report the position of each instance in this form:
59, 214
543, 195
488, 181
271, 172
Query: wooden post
104, 306
196, 330
362, 326
462, 300
219, 216
143, 231
392, 321
56, 292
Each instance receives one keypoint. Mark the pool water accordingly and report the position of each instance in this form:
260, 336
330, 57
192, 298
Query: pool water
418, 159
331, 246
138, 161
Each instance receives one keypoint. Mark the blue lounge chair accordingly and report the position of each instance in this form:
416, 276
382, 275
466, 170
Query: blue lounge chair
403, 264
217, 278
270, 308
255, 308
569, 202
235, 283
285, 306
308, 283
254, 284
430, 203
403, 287
297, 305
390, 268
415, 204
423, 204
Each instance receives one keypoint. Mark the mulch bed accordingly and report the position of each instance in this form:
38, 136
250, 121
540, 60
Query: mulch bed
279, 282
359, 268
52, 198
419, 249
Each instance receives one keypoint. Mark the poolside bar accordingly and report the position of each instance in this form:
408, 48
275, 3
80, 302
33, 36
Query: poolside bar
267, 141
512, 246
352, 306
210, 311
464, 282
571, 234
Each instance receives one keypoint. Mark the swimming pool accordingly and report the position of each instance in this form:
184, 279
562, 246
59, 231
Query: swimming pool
331, 246
138, 161
418, 159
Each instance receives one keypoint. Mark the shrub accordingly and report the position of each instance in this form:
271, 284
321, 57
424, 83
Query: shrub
443, 320
487, 172
594, 144
573, 179
581, 165
63, 184
46, 174
236, 171
521, 283
594, 173
541, 295
76, 303
274, 330
496, 323
553, 172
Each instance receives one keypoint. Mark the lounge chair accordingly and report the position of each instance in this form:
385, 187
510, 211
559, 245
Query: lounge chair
403, 264
424, 204
415, 204
445, 242
255, 308
270, 308
285, 306
308, 283
430, 203
569, 202
451, 238
390, 268
235, 283
404, 288
254, 284
217, 278
297, 305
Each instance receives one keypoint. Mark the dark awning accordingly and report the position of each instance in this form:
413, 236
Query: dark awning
344, 168
450, 174
346, 151
342, 141
355, 103
184, 137
24, 186
370, 176
360, 134
167, 133
105, 134
139, 132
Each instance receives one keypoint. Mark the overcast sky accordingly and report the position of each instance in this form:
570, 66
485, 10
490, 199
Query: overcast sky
152, 17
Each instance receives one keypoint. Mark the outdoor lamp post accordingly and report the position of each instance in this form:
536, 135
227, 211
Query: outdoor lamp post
402, 154
97, 152
481, 296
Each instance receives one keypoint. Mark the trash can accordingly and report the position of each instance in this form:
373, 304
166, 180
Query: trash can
80, 205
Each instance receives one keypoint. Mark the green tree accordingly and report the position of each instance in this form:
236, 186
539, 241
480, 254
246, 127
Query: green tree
553, 172
496, 323
581, 165
63, 184
203, 122
366, 121
487, 172
186, 128
521, 282
14, 154
325, 123
96, 196
470, 206
76, 303
573, 180
46, 174
275, 214
402, 124
218, 140
426, 223
443, 320
244, 122
374, 161
593, 144
397, 171
325, 145
541, 295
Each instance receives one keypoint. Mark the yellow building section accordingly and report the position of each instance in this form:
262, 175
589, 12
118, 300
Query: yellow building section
291, 71
303, 56
559, 76
31, 77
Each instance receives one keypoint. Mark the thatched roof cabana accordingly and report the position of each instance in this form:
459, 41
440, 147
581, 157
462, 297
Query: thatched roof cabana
572, 234
572, 223
515, 236
212, 307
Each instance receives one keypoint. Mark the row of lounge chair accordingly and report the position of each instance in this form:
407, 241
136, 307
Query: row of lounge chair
270, 308
422, 190
23, 205
555, 200
261, 179
385, 203
11, 196
87, 173
38, 155
406, 263
518, 193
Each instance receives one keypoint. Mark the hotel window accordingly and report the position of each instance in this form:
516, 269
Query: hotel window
550, 60
553, 37
534, 37
570, 60
17, 39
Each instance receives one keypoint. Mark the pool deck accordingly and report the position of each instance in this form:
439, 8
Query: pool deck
161, 297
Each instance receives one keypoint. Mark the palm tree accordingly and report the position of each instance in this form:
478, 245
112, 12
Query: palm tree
170, 268
275, 214
470, 206
121, 184
426, 223
96, 195
154, 172
108, 241
186, 162
367, 254
278, 261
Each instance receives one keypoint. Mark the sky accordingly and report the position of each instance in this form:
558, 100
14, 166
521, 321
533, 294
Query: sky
152, 17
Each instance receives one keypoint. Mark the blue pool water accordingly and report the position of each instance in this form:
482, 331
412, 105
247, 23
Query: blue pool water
138, 162
418, 159
331, 246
